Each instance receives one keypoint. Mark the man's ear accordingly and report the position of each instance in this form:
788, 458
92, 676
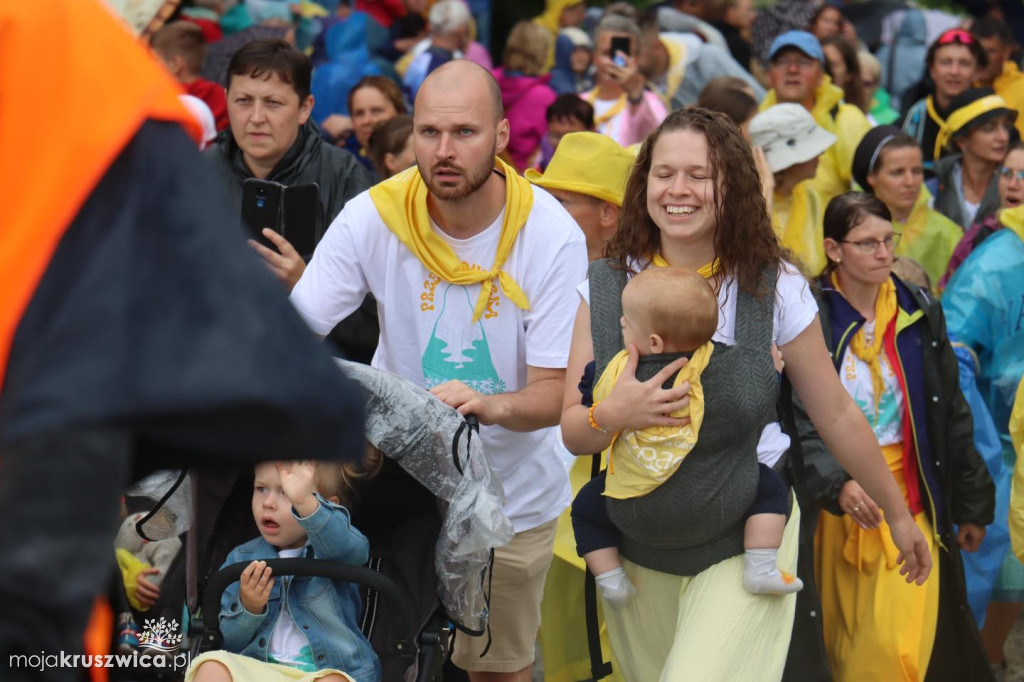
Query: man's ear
609, 214
502, 137
305, 109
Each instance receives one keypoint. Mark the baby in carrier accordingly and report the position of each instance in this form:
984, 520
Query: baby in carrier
670, 311
298, 627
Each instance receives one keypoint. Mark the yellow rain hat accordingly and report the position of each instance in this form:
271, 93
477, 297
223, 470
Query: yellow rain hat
587, 163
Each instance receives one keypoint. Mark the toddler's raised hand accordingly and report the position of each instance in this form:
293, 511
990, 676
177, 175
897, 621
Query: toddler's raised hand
298, 482
255, 585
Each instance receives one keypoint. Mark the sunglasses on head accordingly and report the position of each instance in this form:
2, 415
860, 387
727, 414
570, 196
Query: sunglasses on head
956, 36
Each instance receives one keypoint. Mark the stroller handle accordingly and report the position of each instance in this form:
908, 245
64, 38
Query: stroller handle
401, 612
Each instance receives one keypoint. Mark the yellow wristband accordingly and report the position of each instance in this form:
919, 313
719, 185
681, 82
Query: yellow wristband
590, 418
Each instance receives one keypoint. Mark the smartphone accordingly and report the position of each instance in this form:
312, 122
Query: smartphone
299, 215
620, 44
262, 202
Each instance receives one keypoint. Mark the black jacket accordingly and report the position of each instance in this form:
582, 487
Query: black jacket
340, 176
947, 198
311, 159
954, 475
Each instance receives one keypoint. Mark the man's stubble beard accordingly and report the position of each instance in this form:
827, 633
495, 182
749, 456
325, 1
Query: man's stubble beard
474, 179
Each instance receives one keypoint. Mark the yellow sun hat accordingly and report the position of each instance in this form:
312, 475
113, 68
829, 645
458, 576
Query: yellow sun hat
587, 163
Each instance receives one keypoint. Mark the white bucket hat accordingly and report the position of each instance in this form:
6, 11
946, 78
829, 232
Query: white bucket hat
789, 135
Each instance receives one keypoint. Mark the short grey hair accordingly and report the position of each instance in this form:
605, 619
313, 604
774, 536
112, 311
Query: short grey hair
447, 16
616, 23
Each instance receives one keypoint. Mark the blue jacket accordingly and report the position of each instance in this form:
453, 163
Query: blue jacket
327, 612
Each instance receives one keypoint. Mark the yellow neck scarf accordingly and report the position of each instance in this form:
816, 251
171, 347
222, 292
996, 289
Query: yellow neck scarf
646, 458
707, 271
1013, 219
885, 314
619, 105
402, 204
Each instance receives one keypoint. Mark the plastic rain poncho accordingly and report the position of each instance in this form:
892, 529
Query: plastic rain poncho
416, 430
984, 306
981, 568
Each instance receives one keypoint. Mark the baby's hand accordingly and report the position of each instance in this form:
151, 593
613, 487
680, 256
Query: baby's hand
255, 584
297, 481
777, 357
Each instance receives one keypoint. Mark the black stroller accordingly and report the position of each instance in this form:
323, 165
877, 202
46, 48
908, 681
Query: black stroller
408, 607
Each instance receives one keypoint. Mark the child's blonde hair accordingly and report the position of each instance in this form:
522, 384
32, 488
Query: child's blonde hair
338, 479
677, 304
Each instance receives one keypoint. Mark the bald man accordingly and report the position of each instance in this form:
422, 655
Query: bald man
475, 274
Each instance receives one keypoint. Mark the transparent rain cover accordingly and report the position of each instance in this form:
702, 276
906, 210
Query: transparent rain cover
174, 517
416, 430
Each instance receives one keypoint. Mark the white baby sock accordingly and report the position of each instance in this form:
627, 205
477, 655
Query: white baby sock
761, 574
616, 587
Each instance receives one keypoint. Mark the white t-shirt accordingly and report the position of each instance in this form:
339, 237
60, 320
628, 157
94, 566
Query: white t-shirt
854, 373
288, 646
427, 334
794, 310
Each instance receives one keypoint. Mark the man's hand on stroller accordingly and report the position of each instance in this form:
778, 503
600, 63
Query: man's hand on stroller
255, 585
467, 401
299, 485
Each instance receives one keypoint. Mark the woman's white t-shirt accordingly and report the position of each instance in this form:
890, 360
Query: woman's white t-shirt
795, 309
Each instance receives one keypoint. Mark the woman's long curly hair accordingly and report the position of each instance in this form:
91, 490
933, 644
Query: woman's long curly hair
744, 240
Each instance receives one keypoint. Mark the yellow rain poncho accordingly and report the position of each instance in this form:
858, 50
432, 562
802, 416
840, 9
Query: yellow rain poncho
551, 19
1017, 493
928, 238
797, 220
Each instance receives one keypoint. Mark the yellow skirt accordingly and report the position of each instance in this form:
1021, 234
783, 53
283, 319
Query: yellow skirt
707, 627
877, 627
243, 669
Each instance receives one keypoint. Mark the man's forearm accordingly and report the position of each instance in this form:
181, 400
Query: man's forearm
535, 406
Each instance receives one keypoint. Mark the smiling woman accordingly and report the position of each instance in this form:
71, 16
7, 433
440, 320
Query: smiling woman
693, 200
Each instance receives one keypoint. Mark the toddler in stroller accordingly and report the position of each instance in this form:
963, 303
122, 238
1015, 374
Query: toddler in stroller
285, 628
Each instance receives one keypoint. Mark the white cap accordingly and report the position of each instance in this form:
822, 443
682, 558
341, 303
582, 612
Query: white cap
789, 135
578, 37
202, 113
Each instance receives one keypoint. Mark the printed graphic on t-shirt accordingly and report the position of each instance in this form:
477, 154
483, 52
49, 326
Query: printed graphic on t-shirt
887, 420
458, 348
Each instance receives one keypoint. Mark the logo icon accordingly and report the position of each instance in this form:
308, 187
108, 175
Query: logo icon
160, 635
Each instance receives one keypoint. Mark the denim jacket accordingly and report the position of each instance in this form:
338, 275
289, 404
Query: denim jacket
326, 611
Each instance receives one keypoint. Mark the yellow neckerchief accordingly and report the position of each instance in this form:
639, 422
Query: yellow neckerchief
885, 314
616, 108
707, 271
401, 202
1013, 220
962, 117
646, 458
797, 222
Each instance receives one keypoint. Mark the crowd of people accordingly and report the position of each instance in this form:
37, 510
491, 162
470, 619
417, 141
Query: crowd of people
767, 265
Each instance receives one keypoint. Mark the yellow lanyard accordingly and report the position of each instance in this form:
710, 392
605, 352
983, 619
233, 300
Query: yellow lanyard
614, 111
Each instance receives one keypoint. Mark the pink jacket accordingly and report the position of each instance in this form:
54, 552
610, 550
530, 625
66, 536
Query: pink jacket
526, 100
629, 126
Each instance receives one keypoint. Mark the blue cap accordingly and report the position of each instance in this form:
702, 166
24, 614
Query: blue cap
801, 40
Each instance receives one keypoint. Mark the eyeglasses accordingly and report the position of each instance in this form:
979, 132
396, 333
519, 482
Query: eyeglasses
1009, 173
957, 35
869, 246
802, 62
